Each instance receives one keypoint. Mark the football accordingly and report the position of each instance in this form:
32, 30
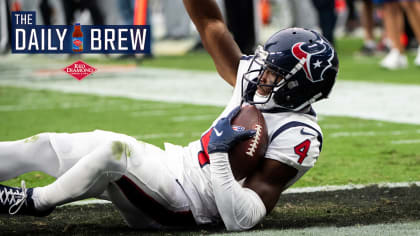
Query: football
245, 156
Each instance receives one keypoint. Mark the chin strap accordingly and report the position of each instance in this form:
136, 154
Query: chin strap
297, 68
240, 208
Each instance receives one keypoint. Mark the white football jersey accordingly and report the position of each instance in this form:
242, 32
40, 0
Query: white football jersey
294, 139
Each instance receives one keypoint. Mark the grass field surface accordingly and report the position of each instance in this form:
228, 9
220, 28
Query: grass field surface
355, 150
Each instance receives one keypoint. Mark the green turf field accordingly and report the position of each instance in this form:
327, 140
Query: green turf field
355, 150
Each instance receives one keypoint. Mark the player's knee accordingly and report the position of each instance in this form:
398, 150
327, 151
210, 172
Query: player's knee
108, 161
119, 151
39, 144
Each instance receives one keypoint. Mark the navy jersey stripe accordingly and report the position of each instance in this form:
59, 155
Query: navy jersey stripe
311, 111
297, 124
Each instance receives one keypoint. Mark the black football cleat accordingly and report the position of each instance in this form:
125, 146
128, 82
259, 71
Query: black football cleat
18, 201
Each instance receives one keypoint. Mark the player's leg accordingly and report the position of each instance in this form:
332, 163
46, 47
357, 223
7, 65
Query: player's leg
31, 154
151, 191
412, 9
89, 177
369, 45
147, 185
393, 20
134, 217
51, 153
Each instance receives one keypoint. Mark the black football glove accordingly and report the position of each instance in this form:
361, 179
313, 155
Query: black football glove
223, 137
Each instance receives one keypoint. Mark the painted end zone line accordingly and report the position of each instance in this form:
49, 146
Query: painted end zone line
328, 188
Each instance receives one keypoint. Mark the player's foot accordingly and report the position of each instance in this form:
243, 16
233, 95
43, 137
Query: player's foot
18, 201
394, 60
368, 49
384, 46
417, 60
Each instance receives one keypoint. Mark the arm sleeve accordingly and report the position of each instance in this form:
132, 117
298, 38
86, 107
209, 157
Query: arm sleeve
240, 208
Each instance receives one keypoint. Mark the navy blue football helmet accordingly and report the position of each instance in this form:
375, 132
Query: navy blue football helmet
305, 64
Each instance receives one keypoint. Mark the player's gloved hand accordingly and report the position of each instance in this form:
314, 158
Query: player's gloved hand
223, 137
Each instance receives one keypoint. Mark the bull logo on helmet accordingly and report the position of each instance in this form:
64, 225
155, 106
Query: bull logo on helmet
314, 55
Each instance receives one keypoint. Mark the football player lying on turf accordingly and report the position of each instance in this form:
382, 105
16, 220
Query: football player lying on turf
172, 187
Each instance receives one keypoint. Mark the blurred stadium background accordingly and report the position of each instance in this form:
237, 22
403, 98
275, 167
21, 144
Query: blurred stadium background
371, 123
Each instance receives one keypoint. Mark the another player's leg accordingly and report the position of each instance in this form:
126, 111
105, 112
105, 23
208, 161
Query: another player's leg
89, 177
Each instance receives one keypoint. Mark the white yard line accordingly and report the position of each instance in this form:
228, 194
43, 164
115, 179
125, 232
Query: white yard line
6, 108
86, 202
372, 133
327, 188
159, 136
166, 135
378, 101
410, 141
192, 118
387, 229
149, 113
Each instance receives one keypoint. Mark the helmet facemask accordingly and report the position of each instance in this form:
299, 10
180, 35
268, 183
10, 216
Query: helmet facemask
258, 66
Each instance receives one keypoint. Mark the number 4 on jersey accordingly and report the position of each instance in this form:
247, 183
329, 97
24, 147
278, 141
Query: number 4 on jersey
302, 150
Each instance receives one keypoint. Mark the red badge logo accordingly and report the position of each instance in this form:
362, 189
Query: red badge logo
77, 42
79, 70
